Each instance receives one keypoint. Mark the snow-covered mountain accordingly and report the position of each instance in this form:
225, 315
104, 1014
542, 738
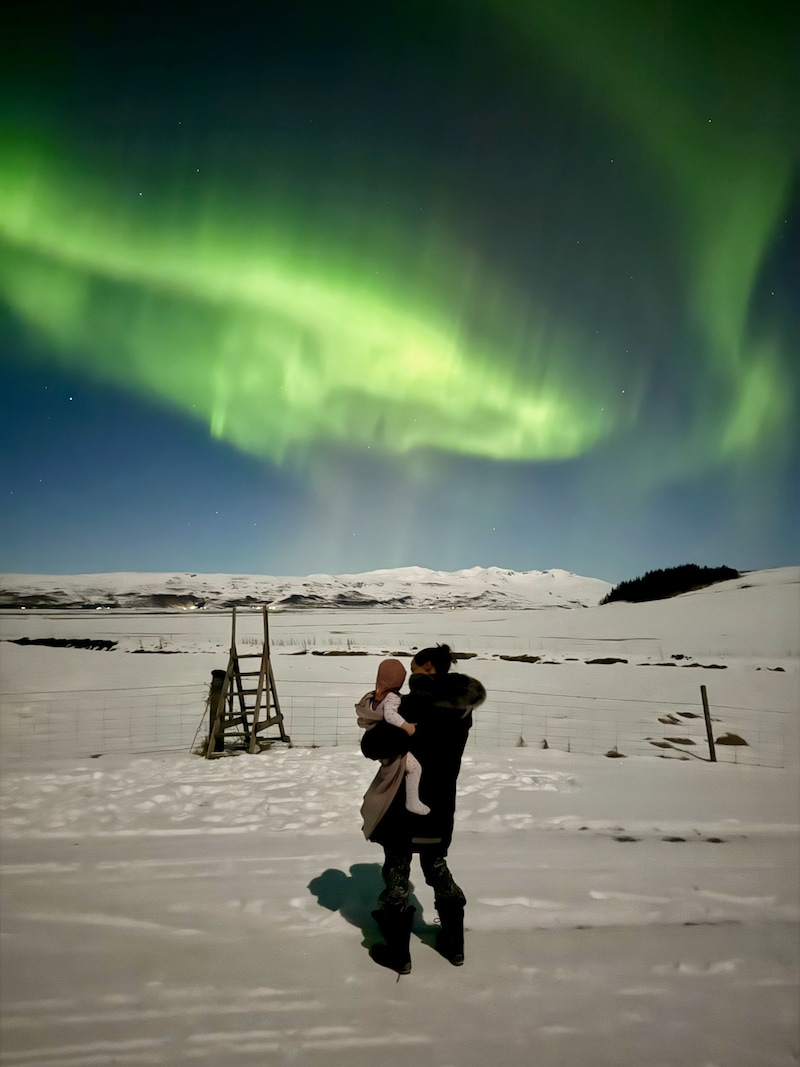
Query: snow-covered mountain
401, 587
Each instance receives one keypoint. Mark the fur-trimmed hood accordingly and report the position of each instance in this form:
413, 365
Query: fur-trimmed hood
453, 691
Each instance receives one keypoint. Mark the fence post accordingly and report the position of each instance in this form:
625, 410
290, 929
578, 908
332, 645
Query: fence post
709, 733
217, 682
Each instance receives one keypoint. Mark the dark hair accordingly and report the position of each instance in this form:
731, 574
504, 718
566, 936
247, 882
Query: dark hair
439, 656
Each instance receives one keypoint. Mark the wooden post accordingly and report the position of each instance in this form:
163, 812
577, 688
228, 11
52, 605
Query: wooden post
214, 693
707, 715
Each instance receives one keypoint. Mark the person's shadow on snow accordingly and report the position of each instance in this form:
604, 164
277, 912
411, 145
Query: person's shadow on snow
355, 897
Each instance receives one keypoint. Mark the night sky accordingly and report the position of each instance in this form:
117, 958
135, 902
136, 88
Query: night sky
294, 287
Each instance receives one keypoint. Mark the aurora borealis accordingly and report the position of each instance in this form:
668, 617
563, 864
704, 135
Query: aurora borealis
517, 281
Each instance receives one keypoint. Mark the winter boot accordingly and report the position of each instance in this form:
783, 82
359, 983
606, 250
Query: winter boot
450, 939
395, 926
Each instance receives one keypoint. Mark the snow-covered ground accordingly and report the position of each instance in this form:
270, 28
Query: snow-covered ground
158, 908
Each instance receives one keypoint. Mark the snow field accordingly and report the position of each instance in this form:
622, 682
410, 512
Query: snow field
162, 909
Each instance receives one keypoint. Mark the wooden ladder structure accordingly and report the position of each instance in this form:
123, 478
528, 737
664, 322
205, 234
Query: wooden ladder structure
247, 699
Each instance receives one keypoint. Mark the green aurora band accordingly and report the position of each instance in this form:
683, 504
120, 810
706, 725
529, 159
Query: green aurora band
283, 338
704, 89
276, 342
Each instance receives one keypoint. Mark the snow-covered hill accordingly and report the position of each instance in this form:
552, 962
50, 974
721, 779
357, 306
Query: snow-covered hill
402, 587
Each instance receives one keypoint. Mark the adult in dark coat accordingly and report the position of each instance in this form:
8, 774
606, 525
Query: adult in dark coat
440, 703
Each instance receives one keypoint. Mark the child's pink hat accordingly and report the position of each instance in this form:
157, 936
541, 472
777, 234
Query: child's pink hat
391, 675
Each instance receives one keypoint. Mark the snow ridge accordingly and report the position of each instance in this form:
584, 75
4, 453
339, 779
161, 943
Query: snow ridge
400, 587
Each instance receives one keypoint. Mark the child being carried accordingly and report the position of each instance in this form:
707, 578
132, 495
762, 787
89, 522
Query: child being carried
383, 704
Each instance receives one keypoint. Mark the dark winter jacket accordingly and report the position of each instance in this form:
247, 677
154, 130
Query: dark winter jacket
441, 706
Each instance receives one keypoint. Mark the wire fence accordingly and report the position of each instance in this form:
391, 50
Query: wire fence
321, 714
95, 721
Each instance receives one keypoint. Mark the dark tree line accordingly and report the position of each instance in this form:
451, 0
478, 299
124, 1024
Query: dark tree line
658, 585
